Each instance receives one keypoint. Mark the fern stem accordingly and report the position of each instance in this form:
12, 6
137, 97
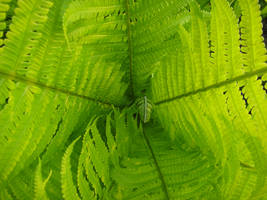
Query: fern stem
217, 85
130, 47
164, 186
42, 85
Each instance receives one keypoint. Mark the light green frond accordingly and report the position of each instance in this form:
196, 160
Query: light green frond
96, 34
4, 7
108, 29
93, 176
6, 13
68, 189
199, 48
162, 170
5, 195
48, 96
206, 95
150, 44
254, 52
82, 179
37, 59
27, 133
25, 30
40, 184
225, 50
150, 165
201, 68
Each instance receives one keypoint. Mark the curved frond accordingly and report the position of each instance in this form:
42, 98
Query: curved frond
31, 56
6, 12
206, 95
143, 164
201, 68
254, 52
40, 184
68, 188
96, 31
161, 18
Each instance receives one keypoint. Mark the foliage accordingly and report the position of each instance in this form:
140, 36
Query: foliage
132, 99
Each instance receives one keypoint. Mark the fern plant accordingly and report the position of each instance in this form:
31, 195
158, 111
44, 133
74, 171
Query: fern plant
132, 99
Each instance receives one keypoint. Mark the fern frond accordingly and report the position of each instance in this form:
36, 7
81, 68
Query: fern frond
65, 64
147, 162
35, 118
225, 51
93, 176
40, 184
152, 43
65, 71
225, 101
25, 30
6, 13
199, 48
82, 179
138, 176
68, 189
254, 52
97, 30
4, 7
5, 195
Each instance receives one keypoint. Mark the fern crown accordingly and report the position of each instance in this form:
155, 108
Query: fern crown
133, 99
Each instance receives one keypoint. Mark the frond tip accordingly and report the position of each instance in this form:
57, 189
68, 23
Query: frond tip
39, 184
144, 107
68, 189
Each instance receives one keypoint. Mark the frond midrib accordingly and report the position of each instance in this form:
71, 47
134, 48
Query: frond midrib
52, 88
130, 46
163, 183
214, 86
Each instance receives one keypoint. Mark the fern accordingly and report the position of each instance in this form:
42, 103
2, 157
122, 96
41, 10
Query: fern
40, 192
68, 189
132, 99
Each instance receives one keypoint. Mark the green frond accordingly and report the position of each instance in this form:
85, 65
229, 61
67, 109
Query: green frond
108, 15
96, 69
93, 176
97, 30
25, 30
225, 51
5, 11
183, 173
68, 189
5, 195
199, 48
39, 61
82, 179
27, 133
46, 98
150, 165
40, 184
206, 95
152, 43
254, 52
